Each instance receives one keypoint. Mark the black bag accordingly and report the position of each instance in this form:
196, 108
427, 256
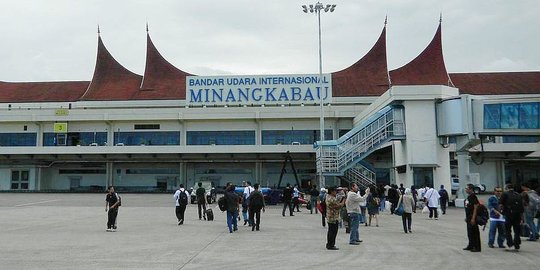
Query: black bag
482, 215
119, 199
209, 214
222, 203
256, 200
515, 204
182, 198
525, 230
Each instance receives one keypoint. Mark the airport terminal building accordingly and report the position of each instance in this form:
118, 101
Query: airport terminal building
416, 125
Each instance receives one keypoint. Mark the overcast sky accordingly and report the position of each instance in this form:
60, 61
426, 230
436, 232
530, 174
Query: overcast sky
51, 40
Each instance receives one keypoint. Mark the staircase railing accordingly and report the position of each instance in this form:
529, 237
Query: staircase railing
334, 157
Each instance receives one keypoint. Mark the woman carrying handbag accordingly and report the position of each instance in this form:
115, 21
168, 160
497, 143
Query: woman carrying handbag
405, 205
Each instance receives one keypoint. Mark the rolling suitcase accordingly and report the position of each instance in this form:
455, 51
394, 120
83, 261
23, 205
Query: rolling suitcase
209, 214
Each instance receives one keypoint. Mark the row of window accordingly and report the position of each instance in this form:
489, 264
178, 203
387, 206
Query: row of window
512, 116
240, 137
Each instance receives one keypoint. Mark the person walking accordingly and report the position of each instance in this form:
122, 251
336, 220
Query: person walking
443, 199
393, 197
496, 220
248, 189
287, 197
200, 193
332, 215
113, 201
322, 205
415, 197
512, 205
352, 204
373, 204
233, 202
530, 198
181, 200
313, 199
431, 196
471, 209
296, 198
408, 201
256, 204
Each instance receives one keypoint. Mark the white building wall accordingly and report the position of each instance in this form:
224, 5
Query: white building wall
5, 178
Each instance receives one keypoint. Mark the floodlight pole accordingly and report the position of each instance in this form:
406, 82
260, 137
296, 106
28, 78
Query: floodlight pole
317, 8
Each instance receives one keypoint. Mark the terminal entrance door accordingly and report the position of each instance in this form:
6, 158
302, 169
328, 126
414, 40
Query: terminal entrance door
423, 176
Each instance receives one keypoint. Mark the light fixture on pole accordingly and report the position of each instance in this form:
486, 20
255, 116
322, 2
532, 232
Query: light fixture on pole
316, 9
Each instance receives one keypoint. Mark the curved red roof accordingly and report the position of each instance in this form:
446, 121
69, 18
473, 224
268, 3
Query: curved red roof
111, 81
41, 91
161, 79
427, 68
497, 83
368, 76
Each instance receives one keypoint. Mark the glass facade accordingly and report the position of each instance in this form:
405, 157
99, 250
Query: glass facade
18, 139
240, 137
296, 136
147, 138
512, 116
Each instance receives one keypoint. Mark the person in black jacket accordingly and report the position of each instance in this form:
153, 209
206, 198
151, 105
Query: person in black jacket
287, 197
256, 204
512, 205
393, 197
471, 209
232, 208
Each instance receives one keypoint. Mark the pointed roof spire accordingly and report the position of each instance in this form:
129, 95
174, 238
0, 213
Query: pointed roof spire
385, 20
161, 79
146, 27
440, 19
111, 81
427, 68
368, 76
98, 32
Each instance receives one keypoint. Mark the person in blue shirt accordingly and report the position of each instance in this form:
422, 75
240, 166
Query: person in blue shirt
496, 220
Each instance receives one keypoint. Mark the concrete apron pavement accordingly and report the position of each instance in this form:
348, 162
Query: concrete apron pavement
67, 231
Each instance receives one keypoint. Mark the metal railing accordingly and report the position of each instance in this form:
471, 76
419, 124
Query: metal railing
335, 157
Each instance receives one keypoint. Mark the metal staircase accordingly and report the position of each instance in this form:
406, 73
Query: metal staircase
341, 157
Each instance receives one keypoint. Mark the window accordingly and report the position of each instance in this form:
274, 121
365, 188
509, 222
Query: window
239, 137
147, 126
512, 116
18, 139
270, 137
19, 179
74, 138
147, 138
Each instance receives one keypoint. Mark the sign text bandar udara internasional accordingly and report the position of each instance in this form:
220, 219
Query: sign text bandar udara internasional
261, 89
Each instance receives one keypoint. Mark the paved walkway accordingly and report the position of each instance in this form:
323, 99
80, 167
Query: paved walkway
67, 231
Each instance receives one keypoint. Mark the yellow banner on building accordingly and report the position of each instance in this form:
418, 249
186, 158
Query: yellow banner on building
60, 127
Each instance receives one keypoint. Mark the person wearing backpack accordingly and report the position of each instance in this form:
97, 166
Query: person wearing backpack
531, 202
233, 201
256, 204
512, 205
181, 200
471, 209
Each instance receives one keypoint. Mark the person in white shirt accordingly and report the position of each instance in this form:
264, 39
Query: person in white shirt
248, 189
353, 210
181, 204
432, 201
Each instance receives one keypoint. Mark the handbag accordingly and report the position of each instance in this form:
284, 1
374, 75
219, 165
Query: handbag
399, 211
